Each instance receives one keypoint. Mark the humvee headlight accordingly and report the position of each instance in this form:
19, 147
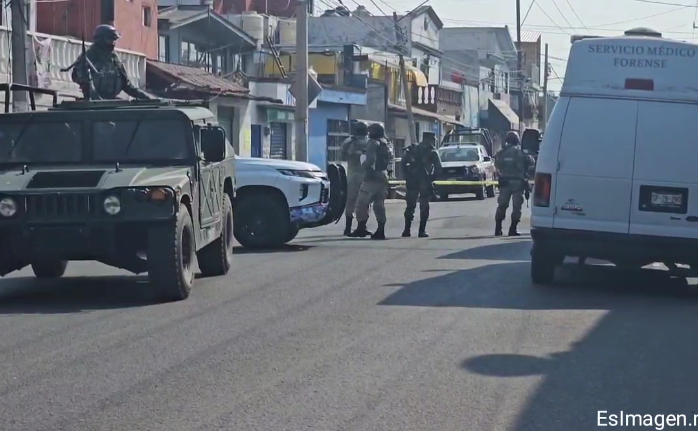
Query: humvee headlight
8, 207
112, 205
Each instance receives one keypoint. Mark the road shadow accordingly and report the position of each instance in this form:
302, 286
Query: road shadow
506, 248
506, 285
637, 362
502, 238
28, 295
286, 248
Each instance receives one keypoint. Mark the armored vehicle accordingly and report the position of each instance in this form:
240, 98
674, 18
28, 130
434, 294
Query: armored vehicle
145, 186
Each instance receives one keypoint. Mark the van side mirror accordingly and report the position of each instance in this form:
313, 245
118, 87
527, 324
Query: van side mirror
213, 143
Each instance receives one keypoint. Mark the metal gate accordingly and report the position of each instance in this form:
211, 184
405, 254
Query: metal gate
277, 146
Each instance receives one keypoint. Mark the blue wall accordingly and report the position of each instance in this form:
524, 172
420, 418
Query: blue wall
317, 125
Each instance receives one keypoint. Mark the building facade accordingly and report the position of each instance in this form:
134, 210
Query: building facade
136, 20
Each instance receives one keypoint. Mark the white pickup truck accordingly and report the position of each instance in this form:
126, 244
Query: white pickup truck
275, 199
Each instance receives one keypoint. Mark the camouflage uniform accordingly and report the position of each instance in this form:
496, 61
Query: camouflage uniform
419, 164
512, 164
110, 77
352, 150
374, 189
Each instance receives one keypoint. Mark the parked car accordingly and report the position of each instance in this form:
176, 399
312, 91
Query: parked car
466, 163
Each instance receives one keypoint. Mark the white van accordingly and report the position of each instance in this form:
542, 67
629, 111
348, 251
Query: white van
617, 171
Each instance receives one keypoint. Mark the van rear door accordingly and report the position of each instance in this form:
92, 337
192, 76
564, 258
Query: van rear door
593, 183
665, 180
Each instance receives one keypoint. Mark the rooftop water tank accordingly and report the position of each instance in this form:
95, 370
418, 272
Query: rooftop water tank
287, 32
253, 24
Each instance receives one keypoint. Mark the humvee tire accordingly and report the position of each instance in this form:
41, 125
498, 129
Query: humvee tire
49, 268
216, 258
171, 252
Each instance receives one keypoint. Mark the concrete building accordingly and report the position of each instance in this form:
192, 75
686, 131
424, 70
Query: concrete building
377, 39
201, 56
136, 20
489, 56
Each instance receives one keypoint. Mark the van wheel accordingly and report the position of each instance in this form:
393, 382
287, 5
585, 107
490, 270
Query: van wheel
49, 268
217, 257
261, 221
542, 266
490, 191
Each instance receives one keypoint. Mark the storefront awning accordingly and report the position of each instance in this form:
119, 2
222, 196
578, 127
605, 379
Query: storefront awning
413, 74
423, 113
505, 111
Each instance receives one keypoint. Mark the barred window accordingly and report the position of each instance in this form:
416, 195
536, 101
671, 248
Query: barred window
337, 132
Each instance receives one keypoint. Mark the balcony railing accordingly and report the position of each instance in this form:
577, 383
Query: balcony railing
53, 53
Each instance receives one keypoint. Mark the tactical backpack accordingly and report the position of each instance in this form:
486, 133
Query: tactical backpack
384, 155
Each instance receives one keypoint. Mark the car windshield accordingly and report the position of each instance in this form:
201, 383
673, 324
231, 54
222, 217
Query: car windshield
459, 154
140, 140
33, 141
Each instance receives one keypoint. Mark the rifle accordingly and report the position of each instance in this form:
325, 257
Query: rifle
88, 69
527, 190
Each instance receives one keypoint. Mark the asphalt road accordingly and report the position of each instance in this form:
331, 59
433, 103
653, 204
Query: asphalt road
445, 333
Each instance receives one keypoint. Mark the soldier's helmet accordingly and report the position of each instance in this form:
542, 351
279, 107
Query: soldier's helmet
512, 138
106, 34
376, 131
359, 128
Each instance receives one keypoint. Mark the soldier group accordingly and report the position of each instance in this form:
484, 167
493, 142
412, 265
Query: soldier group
369, 154
101, 75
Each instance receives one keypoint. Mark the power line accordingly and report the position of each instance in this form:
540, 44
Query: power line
561, 14
575, 14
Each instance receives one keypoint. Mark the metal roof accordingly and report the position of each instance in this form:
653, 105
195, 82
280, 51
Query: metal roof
526, 36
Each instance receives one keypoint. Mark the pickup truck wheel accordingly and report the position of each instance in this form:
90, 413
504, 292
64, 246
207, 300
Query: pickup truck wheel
261, 222
292, 232
543, 265
490, 191
171, 251
217, 257
49, 268
443, 196
480, 193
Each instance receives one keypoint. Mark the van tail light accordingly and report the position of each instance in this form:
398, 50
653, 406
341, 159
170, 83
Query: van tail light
541, 190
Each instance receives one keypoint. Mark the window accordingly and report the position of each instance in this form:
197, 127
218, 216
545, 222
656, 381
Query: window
337, 132
123, 141
147, 16
40, 141
164, 49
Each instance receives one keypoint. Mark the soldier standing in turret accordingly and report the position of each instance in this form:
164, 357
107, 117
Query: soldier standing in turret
104, 76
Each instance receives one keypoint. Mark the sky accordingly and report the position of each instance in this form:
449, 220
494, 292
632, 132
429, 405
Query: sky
556, 20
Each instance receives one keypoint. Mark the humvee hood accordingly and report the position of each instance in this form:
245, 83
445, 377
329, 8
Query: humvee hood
85, 178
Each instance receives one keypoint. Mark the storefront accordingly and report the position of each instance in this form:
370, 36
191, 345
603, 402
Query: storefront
329, 124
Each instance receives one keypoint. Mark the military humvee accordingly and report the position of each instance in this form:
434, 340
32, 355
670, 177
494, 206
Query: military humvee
142, 186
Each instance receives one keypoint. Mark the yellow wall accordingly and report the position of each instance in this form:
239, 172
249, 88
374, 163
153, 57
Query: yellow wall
322, 64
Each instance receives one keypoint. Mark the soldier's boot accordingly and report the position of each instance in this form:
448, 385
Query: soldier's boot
380, 232
408, 225
512, 228
498, 228
360, 232
423, 229
347, 226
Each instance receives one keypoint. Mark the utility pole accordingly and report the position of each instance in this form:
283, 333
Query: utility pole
403, 78
301, 114
19, 52
545, 90
519, 62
